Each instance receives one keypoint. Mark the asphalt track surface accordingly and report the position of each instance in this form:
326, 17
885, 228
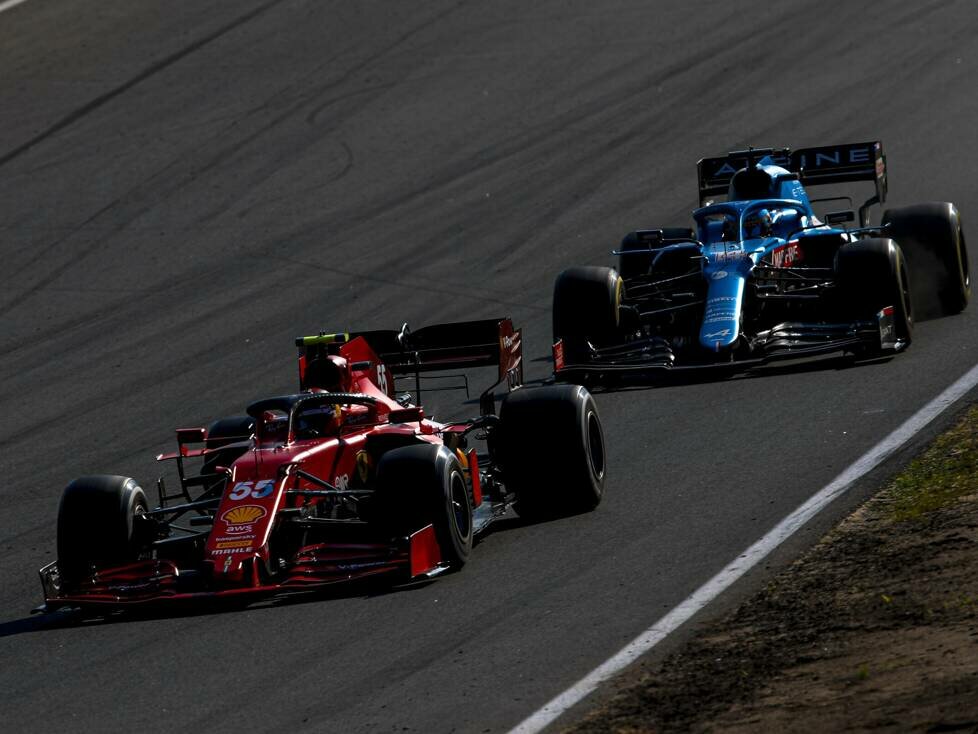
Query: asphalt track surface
184, 187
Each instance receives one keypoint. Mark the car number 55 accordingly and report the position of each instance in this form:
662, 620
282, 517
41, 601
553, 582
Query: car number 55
252, 489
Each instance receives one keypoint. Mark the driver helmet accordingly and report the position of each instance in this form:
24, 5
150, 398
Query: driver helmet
329, 372
323, 420
759, 224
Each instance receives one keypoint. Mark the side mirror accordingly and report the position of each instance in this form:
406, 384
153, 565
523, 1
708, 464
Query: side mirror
846, 215
406, 415
190, 435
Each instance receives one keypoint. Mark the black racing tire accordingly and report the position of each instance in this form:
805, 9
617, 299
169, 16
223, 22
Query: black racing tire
230, 435
550, 445
97, 522
229, 430
872, 274
421, 485
635, 258
587, 305
932, 239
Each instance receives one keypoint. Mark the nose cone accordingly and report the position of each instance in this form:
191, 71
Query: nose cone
720, 327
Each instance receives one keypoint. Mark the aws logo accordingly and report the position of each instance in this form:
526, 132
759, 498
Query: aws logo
240, 519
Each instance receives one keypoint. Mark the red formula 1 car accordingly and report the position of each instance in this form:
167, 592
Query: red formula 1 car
345, 479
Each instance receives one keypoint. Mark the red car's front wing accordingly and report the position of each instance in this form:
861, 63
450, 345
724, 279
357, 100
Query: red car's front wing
150, 582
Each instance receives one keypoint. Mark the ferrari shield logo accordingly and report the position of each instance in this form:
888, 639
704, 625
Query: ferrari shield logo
363, 466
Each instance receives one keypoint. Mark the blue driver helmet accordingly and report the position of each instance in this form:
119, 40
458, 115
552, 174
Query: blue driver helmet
758, 224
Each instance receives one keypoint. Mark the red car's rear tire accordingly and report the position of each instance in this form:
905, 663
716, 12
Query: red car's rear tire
551, 447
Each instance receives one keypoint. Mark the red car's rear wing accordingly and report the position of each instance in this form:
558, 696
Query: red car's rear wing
461, 345
830, 164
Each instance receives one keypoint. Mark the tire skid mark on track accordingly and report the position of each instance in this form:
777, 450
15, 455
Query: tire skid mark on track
213, 350
548, 141
301, 98
845, 128
154, 182
312, 117
912, 17
125, 310
483, 298
93, 157
288, 112
546, 144
557, 196
45, 251
346, 165
545, 136
151, 71
142, 76
66, 332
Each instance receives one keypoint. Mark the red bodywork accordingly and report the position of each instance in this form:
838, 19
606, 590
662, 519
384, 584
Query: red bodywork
285, 471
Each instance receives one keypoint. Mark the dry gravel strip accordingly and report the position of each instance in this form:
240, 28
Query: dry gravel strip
875, 628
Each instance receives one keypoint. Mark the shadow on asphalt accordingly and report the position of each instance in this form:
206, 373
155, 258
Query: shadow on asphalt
68, 618
726, 374
364, 588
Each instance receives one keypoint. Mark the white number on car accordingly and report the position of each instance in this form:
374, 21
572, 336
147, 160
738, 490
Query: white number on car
251, 489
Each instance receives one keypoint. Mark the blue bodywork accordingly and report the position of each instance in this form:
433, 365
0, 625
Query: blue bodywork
735, 236
758, 278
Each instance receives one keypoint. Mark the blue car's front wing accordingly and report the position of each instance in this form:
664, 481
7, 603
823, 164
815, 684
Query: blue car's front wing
644, 359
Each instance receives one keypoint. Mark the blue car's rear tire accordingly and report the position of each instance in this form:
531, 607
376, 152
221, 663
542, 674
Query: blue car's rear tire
932, 239
587, 306
636, 258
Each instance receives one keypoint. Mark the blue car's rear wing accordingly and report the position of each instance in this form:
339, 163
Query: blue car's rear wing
830, 164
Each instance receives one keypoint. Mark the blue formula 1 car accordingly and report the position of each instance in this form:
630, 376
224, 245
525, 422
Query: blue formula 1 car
762, 277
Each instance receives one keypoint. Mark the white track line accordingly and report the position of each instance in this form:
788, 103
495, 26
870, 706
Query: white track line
709, 591
8, 4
